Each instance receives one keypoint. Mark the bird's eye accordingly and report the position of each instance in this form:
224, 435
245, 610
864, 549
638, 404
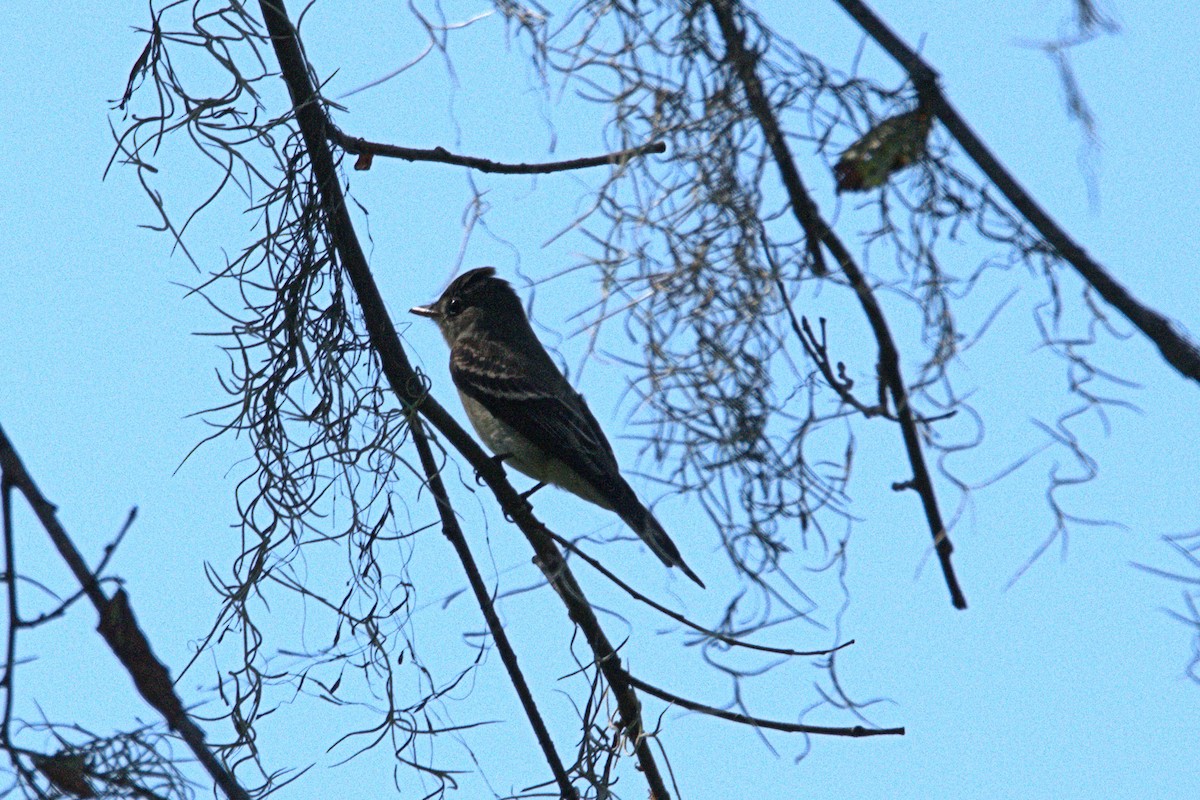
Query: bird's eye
453, 306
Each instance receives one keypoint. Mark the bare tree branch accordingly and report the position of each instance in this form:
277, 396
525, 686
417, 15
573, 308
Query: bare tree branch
410, 389
453, 532
119, 627
680, 618
362, 147
743, 62
856, 731
1178, 351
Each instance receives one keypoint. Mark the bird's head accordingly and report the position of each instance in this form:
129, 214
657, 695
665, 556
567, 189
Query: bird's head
476, 301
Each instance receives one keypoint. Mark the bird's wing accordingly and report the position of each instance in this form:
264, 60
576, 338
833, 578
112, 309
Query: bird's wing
533, 398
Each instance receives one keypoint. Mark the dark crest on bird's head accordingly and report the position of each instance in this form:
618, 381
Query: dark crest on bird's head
476, 299
476, 283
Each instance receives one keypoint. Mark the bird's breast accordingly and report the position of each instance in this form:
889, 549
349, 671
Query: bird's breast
502, 439
525, 456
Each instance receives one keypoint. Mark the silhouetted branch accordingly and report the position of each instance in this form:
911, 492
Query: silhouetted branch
804, 210
453, 532
119, 627
9, 680
856, 731
818, 351
743, 62
362, 147
1178, 351
410, 389
720, 637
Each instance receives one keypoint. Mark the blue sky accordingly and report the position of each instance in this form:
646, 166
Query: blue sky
1070, 683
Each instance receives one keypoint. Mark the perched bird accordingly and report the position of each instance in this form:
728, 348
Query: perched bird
523, 408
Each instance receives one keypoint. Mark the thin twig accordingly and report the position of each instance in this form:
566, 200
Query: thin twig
440, 155
818, 351
9, 681
856, 731
453, 532
720, 637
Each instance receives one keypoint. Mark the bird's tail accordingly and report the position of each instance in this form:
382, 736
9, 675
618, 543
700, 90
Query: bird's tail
643, 523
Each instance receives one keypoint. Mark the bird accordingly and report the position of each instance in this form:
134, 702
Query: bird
524, 409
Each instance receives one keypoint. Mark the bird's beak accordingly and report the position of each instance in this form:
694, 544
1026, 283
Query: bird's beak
425, 311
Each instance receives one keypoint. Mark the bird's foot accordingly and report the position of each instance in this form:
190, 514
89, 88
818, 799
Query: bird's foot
499, 459
525, 499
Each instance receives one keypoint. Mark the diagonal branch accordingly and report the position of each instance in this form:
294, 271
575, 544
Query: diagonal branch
410, 389
453, 532
119, 627
1176, 348
744, 62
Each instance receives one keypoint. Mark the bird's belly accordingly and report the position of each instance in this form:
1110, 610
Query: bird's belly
526, 457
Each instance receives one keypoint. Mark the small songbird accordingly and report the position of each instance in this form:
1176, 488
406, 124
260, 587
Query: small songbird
523, 408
